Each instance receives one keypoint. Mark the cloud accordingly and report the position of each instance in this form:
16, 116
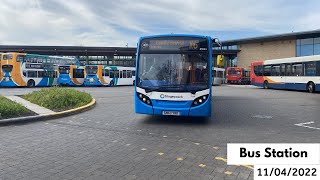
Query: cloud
116, 23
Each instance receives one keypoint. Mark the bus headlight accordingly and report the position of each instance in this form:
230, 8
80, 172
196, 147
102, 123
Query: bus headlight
145, 99
199, 100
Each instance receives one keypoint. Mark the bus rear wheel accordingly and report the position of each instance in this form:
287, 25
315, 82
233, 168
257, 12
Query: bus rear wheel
310, 87
31, 83
265, 84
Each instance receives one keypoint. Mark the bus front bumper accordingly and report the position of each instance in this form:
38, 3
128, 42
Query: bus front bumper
203, 110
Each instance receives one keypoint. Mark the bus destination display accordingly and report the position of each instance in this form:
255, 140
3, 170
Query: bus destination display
173, 44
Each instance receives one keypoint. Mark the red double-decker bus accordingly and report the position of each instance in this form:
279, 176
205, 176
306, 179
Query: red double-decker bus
238, 75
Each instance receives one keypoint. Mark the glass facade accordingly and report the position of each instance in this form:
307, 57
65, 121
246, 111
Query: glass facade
308, 47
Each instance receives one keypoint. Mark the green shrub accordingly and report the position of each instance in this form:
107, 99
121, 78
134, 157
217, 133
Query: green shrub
9, 108
57, 98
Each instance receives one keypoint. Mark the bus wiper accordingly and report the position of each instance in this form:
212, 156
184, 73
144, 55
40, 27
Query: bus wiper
194, 91
160, 88
151, 89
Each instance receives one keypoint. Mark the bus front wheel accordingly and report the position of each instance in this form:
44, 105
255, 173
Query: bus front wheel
310, 87
265, 85
31, 83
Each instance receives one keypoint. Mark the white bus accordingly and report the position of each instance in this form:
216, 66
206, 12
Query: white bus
101, 75
218, 75
296, 73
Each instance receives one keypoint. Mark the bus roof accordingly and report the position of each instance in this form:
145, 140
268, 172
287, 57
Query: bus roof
293, 59
175, 35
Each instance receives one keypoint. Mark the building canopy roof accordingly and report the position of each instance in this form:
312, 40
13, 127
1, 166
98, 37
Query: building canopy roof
278, 37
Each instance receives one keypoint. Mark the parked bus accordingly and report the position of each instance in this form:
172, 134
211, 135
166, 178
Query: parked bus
21, 69
174, 75
101, 75
297, 73
71, 75
238, 75
218, 76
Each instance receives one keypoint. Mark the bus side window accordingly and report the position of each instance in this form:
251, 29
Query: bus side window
24, 73
318, 69
288, 70
106, 72
78, 73
116, 74
40, 74
129, 74
282, 70
258, 70
111, 74
7, 57
267, 70
19, 58
310, 69
275, 70
297, 69
124, 73
32, 74
214, 73
133, 73
121, 74
45, 74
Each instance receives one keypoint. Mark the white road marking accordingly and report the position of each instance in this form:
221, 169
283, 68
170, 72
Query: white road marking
307, 123
262, 116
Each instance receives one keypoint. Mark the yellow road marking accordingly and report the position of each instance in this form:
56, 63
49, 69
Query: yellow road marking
228, 173
216, 148
202, 165
225, 160
160, 153
248, 166
179, 159
196, 143
221, 159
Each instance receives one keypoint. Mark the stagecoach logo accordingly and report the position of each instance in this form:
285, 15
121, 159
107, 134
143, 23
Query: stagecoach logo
172, 97
145, 45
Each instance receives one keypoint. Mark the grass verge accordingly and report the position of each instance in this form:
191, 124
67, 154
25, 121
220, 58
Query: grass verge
59, 99
10, 109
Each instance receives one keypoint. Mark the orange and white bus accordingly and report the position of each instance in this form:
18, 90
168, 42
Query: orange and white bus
296, 73
71, 75
21, 69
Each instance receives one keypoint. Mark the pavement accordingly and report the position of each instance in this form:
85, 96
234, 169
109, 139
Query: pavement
33, 107
112, 142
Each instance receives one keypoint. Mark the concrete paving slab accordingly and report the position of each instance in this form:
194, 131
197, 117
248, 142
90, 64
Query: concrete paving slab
33, 107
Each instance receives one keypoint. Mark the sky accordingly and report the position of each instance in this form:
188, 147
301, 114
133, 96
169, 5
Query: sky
120, 23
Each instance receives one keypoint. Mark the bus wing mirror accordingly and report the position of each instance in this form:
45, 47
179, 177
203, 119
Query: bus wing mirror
217, 41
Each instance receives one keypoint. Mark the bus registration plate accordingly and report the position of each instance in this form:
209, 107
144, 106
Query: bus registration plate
171, 113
